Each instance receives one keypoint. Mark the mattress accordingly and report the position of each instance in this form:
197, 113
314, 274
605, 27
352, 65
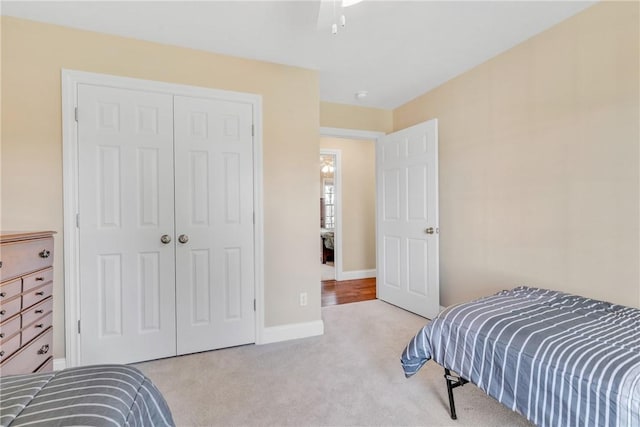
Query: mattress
103, 395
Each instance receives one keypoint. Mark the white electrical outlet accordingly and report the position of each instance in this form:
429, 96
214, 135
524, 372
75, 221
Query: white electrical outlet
303, 299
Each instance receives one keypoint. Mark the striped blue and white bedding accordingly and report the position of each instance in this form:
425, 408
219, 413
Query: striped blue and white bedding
558, 359
103, 395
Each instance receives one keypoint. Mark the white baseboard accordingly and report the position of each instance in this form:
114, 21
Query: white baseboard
357, 274
269, 335
292, 332
59, 364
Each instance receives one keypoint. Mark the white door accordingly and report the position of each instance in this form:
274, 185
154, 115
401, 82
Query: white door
407, 211
126, 200
214, 219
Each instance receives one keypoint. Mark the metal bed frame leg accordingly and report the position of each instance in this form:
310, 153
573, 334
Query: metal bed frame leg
453, 382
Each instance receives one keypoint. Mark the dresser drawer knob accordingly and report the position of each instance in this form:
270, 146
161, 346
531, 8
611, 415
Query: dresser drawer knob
1, 353
44, 349
39, 311
3, 312
3, 294
40, 293
45, 253
40, 325
2, 335
39, 279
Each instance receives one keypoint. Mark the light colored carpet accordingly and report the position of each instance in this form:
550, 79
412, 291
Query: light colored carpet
350, 376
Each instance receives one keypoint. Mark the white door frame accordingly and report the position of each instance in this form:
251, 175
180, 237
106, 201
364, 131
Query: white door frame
348, 134
70, 81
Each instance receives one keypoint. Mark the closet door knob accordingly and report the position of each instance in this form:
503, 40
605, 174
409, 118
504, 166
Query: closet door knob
183, 238
165, 239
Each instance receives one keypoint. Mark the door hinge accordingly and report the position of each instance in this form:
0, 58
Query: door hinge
254, 305
78, 326
253, 130
78, 220
76, 114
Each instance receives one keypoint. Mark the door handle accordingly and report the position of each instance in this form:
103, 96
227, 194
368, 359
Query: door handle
165, 239
429, 230
183, 238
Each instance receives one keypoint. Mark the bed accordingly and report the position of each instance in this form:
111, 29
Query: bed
103, 395
558, 359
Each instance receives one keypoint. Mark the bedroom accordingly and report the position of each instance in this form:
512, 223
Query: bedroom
528, 193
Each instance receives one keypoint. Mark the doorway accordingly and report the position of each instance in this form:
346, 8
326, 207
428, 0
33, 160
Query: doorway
329, 202
353, 185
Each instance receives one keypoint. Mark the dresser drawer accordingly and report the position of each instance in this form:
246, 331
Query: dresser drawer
31, 331
36, 279
46, 366
9, 327
9, 308
8, 347
10, 289
30, 357
19, 258
36, 295
32, 314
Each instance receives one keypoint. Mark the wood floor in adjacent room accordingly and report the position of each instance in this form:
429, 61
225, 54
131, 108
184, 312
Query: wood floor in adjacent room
347, 291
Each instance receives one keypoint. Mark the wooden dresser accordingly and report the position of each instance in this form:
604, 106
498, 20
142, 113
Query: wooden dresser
26, 302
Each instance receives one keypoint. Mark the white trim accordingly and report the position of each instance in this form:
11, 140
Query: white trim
292, 331
70, 81
59, 364
337, 185
350, 133
258, 206
358, 274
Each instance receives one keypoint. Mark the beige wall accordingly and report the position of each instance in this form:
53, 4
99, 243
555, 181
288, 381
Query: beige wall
33, 55
539, 166
344, 116
358, 201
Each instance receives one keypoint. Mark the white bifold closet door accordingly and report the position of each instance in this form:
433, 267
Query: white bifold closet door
166, 224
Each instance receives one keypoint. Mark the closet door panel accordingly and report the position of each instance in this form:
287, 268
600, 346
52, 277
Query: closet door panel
214, 210
127, 287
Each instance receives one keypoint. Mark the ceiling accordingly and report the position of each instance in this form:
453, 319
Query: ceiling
394, 50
